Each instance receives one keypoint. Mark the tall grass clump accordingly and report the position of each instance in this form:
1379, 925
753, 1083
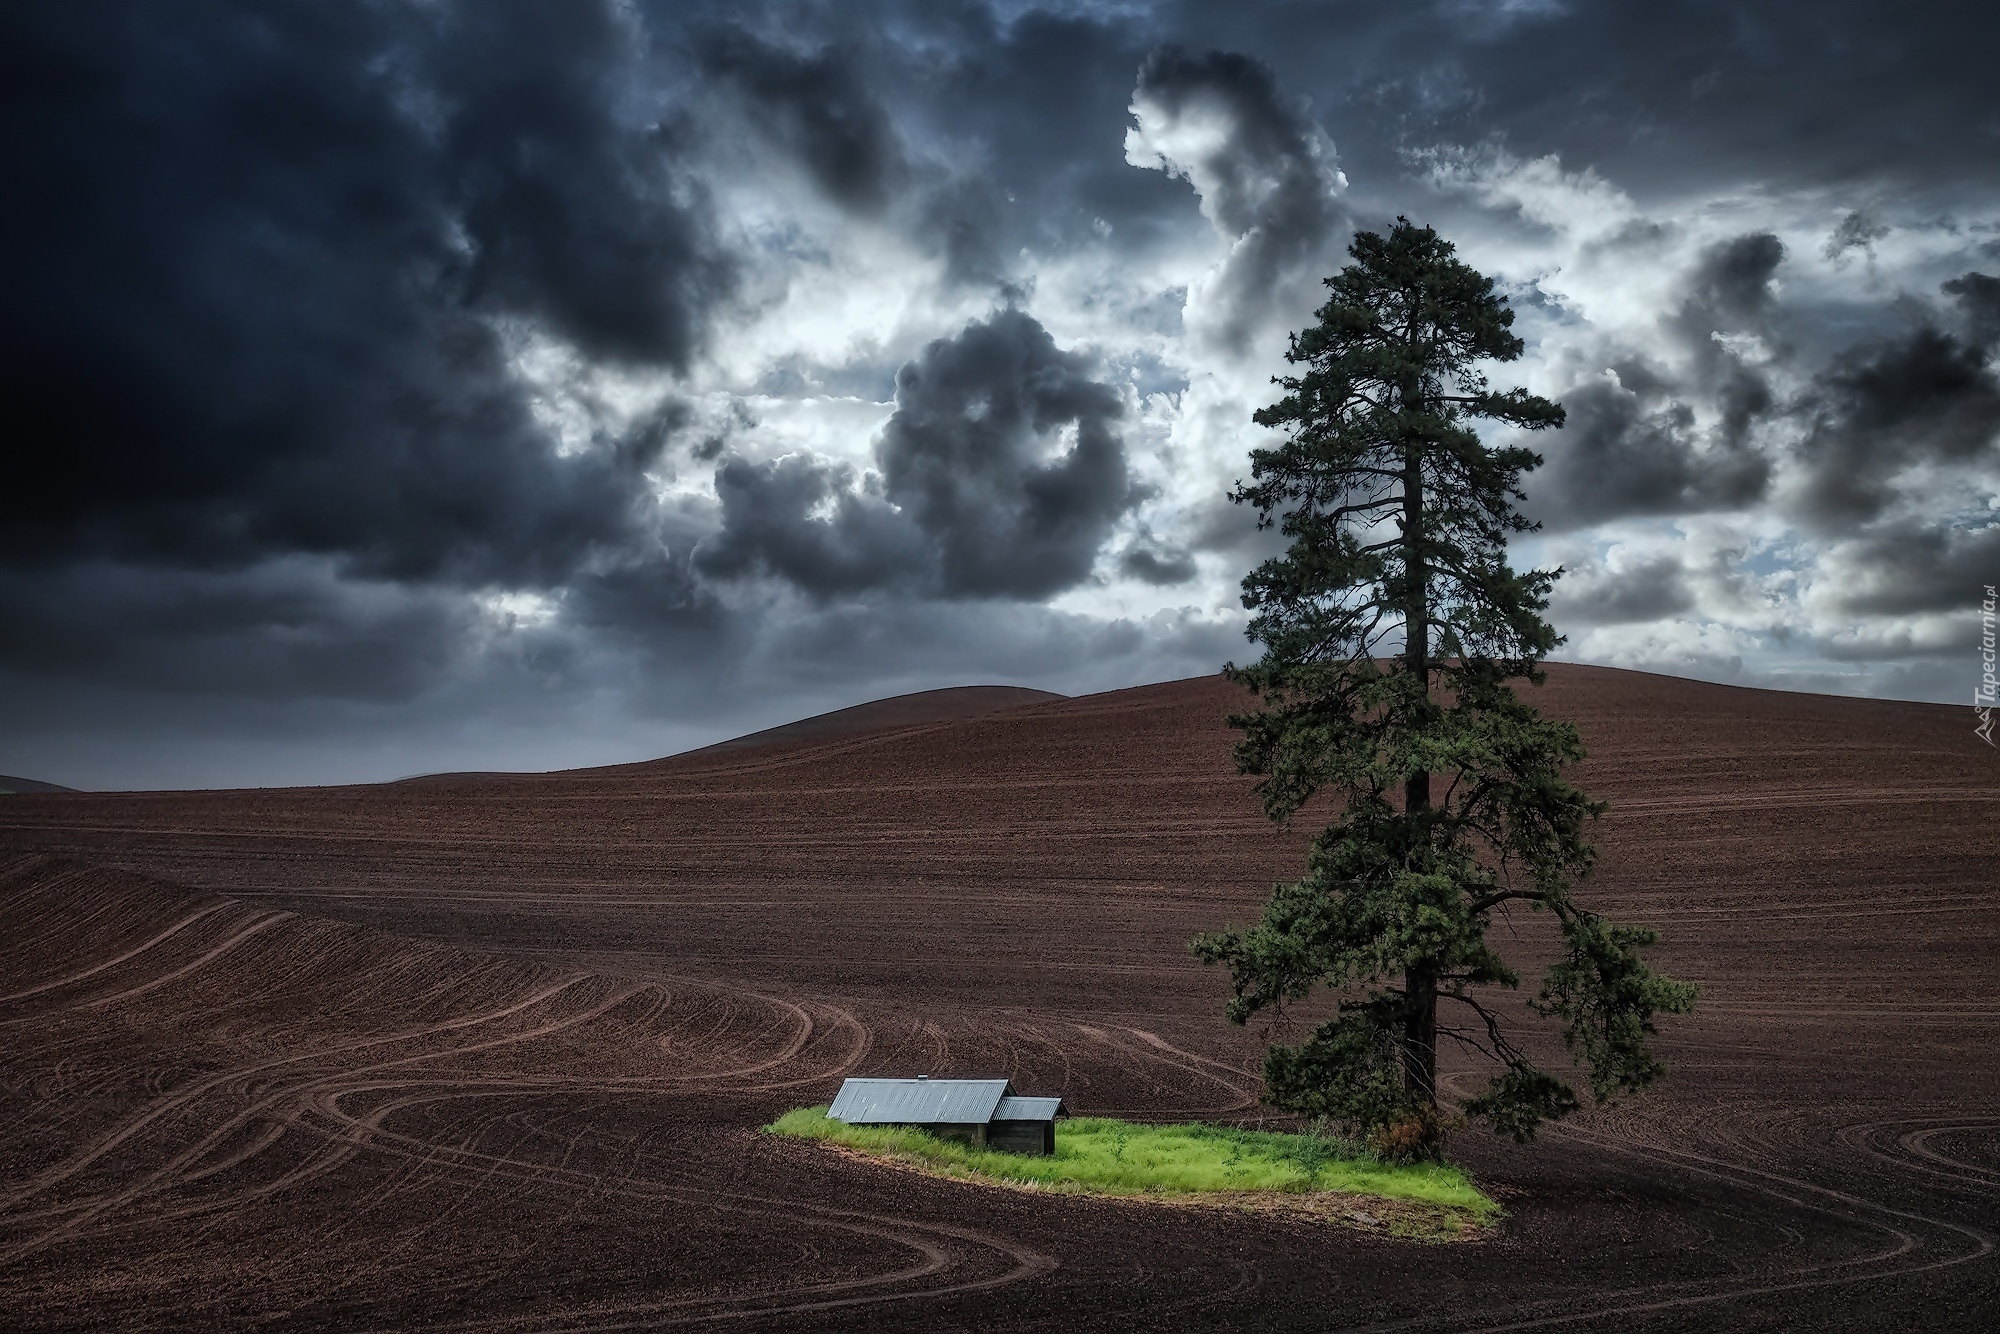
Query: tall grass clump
1104, 1156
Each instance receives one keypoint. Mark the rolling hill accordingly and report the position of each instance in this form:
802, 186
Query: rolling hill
492, 1055
10, 785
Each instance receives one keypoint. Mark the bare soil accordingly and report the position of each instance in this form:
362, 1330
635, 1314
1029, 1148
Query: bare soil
490, 1053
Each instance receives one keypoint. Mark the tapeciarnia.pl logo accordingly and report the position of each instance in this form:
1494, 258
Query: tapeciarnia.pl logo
1983, 697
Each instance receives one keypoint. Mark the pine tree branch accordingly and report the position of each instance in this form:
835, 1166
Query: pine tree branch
1364, 507
1480, 905
1459, 1036
1488, 1019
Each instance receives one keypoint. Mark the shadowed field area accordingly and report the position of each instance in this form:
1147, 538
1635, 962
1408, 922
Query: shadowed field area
491, 1052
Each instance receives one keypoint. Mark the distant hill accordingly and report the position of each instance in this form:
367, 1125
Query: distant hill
882, 715
926, 706
9, 786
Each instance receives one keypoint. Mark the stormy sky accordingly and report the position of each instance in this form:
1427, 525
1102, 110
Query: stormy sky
412, 385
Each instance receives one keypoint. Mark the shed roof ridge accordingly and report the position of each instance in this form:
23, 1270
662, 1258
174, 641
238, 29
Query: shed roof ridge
918, 1101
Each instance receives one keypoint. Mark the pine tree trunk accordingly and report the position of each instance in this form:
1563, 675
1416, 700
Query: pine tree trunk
1419, 983
1420, 1037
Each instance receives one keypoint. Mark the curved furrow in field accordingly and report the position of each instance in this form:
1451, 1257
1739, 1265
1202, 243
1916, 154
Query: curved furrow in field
263, 921
1050, 1048
183, 1097
38, 918
1910, 1149
287, 1103
1242, 1084
822, 1295
1167, 1078
161, 938
280, 1108
825, 1024
778, 1299
1914, 1243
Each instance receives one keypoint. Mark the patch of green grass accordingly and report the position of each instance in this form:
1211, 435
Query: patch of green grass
1103, 1156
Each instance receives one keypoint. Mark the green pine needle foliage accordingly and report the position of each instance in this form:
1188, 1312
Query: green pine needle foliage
1391, 627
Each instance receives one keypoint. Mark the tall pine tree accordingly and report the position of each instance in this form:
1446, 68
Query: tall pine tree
1391, 626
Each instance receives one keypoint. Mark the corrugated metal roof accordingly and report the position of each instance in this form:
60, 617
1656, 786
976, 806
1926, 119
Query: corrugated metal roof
1028, 1109
918, 1102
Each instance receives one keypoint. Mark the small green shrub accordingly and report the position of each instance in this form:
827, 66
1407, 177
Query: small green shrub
1100, 1155
1412, 1138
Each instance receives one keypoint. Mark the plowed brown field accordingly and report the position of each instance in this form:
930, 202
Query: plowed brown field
489, 1053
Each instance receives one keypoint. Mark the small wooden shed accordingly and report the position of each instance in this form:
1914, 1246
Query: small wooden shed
985, 1113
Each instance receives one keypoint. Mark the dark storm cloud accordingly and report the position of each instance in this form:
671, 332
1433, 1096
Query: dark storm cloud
1977, 297
1009, 129
1632, 445
821, 105
1732, 296
265, 244
817, 107
1002, 474
289, 629
1044, 100
1930, 396
1684, 93
1910, 566
1151, 561
576, 212
958, 130
1268, 161
1636, 452
811, 522
1006, 451
1731, 286
1265, 170
1859, 230
1648, 591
